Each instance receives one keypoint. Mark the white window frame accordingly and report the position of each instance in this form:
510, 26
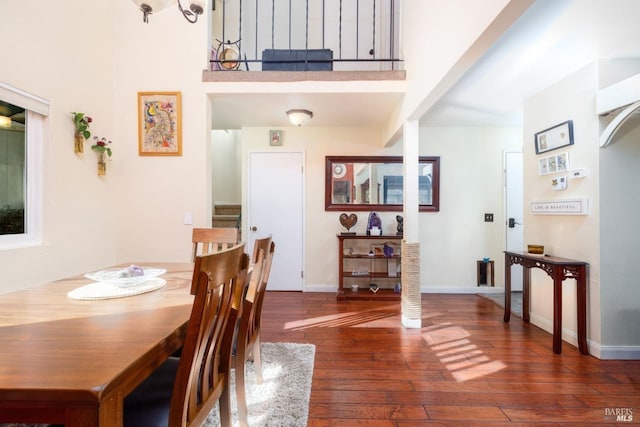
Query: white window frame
37, 109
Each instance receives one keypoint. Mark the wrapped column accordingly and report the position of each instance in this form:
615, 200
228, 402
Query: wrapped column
411, 298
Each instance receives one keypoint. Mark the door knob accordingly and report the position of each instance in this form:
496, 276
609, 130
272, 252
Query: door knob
512, 222
254, 228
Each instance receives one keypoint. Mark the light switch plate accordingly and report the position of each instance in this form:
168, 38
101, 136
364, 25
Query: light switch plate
188, 218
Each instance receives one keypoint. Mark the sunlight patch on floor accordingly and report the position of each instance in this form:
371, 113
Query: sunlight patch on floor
452, 344
362, 318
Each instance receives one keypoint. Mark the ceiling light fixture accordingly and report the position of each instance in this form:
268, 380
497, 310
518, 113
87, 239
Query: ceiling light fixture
191, 13
196, 8
299, 117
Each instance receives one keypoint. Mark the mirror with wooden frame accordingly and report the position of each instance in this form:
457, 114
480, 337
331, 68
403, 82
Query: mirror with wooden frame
374, 183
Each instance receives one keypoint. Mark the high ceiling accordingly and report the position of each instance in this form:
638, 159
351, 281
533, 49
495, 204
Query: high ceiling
553, 39
233, 111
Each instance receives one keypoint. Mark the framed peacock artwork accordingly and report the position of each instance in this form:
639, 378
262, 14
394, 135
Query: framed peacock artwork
159, 124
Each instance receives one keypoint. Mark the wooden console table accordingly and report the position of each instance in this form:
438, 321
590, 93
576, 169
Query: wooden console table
558, 269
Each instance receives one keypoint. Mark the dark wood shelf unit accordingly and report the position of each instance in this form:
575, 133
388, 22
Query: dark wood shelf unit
375, 271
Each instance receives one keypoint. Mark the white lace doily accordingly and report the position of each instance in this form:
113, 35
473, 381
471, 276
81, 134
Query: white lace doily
117, 276
106, 290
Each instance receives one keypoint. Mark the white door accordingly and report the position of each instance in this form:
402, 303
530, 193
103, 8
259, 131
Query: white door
275, 205
514, 203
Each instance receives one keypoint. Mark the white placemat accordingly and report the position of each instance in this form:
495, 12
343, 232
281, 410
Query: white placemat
107, 290
119, 275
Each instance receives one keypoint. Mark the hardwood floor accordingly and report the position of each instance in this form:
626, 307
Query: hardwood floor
464, 367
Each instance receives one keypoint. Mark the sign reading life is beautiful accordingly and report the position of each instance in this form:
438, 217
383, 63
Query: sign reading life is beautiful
561, 207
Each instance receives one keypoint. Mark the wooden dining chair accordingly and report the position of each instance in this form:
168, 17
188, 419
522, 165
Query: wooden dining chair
212, 240
247, 345
183, 391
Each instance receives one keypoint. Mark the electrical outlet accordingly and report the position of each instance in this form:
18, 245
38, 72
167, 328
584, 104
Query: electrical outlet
488, 217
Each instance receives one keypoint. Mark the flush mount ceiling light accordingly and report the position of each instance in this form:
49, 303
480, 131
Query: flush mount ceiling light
195, 8
299, 117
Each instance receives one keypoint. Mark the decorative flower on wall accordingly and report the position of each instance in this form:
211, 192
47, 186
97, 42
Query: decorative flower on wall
82, 132
101, 146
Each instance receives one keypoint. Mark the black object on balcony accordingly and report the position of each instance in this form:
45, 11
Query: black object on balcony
297, 60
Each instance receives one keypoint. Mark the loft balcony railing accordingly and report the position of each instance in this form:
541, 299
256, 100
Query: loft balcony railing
305, 35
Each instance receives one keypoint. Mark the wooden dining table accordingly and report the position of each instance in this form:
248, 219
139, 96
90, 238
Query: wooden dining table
72, 362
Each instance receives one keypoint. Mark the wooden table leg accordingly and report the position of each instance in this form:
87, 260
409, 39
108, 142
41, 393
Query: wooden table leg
507, 289
526, 293
557, 309
581, 288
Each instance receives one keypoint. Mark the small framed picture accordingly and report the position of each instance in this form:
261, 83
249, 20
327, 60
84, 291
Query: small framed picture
275, 137
553, 164
159, 124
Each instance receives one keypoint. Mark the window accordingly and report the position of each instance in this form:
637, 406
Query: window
21, 142
12, 168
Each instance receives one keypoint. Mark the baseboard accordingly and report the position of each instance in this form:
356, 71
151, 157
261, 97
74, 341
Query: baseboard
463, 290
596, 350
320, 288
424, 290
614, 352
547, 325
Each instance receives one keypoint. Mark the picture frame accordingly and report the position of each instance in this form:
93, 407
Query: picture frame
553, 164
555, 137
159, 124
275, 138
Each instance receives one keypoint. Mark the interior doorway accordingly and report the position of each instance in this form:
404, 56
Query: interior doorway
514, 201
275, 206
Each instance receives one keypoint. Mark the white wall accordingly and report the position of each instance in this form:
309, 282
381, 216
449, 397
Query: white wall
471, 183
167, 54
452, 239
96, 60
321, 264
568, 236
68, 59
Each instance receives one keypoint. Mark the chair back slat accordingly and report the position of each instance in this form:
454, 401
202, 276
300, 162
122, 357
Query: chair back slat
256, 296
203, 373
212, 240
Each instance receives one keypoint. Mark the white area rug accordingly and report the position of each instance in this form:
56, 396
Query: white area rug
282, 400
